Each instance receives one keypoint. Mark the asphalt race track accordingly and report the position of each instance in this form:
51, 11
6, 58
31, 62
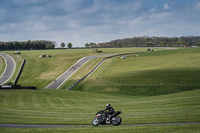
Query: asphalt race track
63, 77
9, 70
59, 126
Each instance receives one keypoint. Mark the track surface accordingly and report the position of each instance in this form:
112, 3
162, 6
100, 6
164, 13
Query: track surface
54, 126
63, 77
9, 70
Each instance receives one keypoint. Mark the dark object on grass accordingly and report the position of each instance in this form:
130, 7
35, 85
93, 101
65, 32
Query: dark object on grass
18, 52
17, 87
150, 49
102, 119
98, 51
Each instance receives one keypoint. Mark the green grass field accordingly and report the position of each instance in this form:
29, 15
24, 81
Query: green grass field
151, 73
40, 72
132, 85
70, 107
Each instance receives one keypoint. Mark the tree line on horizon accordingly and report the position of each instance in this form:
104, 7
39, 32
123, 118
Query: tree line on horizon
27, 45
150, 41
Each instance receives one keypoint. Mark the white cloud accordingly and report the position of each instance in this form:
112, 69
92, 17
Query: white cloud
198, 6
36, 26
160, 16
2, 12
166, 6
137, 5
2, 15
26, 2
97, 5
71, 24
137, 21
152, 9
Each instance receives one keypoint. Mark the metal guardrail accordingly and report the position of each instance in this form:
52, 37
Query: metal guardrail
20, 71
77, 82
13, 87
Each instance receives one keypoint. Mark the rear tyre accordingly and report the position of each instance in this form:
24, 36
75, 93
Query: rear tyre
116, 120
95, 122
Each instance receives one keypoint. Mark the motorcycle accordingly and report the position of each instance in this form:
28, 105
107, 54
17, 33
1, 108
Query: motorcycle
102, 119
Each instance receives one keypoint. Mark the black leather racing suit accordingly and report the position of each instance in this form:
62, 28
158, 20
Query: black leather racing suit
110, 111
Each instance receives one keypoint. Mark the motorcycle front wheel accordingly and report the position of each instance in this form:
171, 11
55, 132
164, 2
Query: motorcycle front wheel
95, 122
116, 120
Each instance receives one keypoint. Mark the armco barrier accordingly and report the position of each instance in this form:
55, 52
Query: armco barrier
3, 87
19, 73
72, 86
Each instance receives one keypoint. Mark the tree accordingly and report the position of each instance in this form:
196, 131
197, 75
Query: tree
69, 45
150, 43
93, 45
162, 43
62, 44
197, 43
87, 45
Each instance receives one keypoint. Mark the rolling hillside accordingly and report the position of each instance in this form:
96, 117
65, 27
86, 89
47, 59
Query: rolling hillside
40, 72
153, 87
151, 73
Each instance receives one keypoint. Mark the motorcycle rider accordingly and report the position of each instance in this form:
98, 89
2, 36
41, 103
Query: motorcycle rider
110, 110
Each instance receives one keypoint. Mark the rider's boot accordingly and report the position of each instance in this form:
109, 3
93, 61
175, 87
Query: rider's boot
108, 119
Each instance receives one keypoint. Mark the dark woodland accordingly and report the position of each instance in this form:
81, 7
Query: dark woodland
184, 41
27, 45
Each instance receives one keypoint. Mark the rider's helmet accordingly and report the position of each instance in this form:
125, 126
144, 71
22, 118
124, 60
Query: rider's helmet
108, 105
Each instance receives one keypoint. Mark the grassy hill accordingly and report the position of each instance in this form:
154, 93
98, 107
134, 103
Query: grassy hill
151, 73
132, 85
40, 72
71, 107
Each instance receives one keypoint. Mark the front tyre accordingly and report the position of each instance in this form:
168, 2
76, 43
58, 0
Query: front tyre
116, 120
95, 122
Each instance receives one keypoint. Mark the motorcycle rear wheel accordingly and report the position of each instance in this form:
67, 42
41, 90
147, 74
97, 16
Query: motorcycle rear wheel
116, 120
95, 122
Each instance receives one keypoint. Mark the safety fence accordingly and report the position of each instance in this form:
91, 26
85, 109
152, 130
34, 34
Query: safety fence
5, 87
19, 73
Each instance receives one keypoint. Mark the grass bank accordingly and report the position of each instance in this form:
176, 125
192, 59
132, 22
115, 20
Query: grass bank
123, 83
150, 73
72, 107
40, 72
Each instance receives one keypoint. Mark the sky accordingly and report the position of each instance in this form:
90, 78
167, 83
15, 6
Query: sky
86, 21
